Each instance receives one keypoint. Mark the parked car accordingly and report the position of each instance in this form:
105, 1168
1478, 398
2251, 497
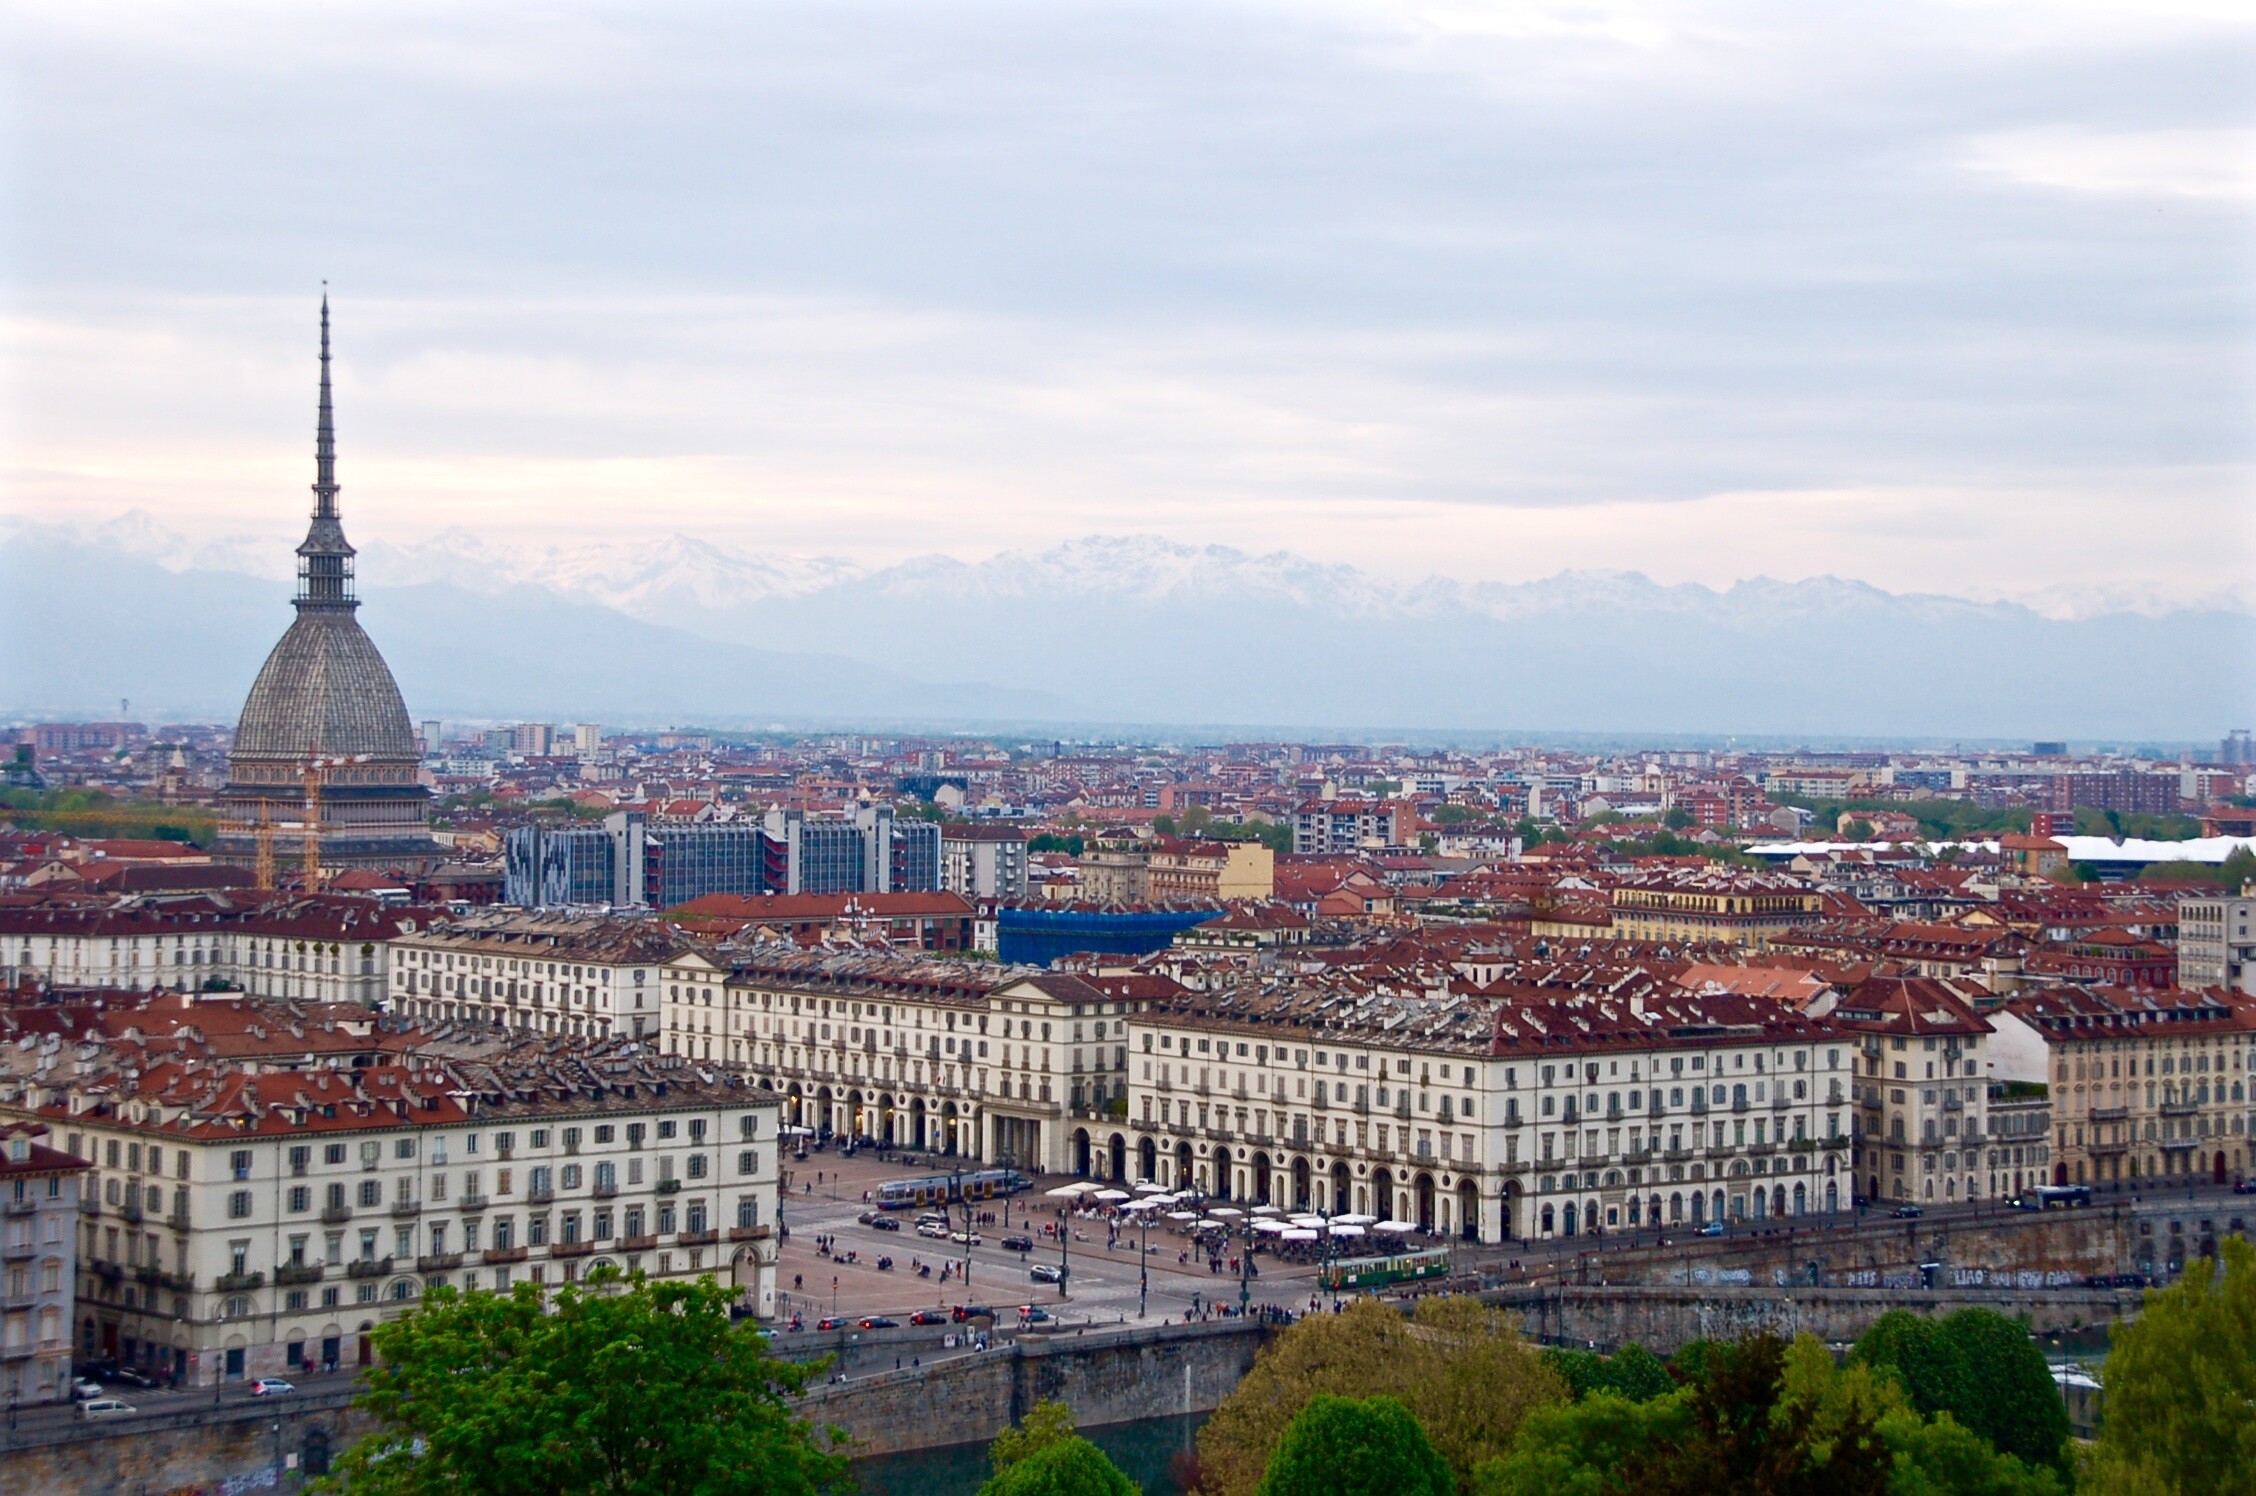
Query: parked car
882, 1223
85, 1387
106, 1407
1032, 1314
132, 1378
932, 1229
1018, 1243
1046, 1272
928, 1317
1712, 1228
271, 1387
1907, 1212
879, 1322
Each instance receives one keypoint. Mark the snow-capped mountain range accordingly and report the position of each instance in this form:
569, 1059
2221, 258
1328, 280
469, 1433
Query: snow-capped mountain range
1137, 629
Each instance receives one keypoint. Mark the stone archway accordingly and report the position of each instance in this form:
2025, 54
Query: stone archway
1116, 1154
1468, 1210
1080, 1165
1147, 1159
1260, 1178
1422, 1193
1300, 1184
1382, 1194
1342, 1190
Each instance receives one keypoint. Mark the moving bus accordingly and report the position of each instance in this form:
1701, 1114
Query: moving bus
1377, 1272
947, 1189
2061, 1196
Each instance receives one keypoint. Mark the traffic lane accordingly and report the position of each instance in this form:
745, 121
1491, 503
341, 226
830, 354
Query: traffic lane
150, 1401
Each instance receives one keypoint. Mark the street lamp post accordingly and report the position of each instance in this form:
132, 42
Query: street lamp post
1245, 1270
1065, 1238
1143, 1263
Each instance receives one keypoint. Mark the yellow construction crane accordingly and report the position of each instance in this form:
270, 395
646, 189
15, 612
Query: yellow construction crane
263, 870
313, 769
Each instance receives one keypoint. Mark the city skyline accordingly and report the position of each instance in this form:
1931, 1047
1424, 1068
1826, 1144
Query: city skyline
1706, 294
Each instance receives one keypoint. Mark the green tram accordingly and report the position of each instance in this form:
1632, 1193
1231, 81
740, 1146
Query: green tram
1378, 1272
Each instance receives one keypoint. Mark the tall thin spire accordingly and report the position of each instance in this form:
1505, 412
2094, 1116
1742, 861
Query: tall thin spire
325, 431
325, 559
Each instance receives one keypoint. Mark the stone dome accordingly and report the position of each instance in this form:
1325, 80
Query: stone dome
325, 690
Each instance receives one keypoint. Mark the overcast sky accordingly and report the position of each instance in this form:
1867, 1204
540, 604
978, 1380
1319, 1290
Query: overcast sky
1948, 297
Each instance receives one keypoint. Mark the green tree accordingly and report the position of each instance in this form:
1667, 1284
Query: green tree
1982, 1369
2179, 1383
1459, 1366
1760, 1417
1050, 1423
1632, 1372
1071, 1466
1677, 818
617, 1386
1343, 1446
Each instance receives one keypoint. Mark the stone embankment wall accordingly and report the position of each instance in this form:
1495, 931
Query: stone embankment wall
1114, 1376
1664, 1318
228, 1451
2008, 1249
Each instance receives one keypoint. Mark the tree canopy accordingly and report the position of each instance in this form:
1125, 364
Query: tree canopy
1344, 1446
2179, 1385
618, 1386
1632, 1372
1458, 1366
1763, 1418
1982, 1369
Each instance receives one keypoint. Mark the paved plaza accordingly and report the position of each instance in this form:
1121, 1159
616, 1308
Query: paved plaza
825, 1194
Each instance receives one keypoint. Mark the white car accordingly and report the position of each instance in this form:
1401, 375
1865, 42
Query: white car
964, 1238
932, 1229
84, 1388
270, 1387
105, 1407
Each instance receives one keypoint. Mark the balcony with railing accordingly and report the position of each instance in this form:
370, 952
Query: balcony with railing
335, 1215
495, 1255
291, 1275
238, 1282
368, 1267
438, 1262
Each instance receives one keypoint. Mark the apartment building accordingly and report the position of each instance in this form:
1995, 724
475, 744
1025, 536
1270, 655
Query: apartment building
237, 1224
1346, 824
1923, 1089
1212, 870
590, 976
2143, 1084
2217, 942
1546, 1115
323, 949
992, 1064
39, 1191
1709, 904
983, 860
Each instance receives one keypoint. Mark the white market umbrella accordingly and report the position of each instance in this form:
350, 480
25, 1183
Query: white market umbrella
1355, 1220
1071, 1191
1270, 1228
1308, 1220
1182, 1215
1268, 1210
1146, 1187
1110, 1195
1140, 1205
1299, 1233
1224, 1211
1347, 1231
1394, 1228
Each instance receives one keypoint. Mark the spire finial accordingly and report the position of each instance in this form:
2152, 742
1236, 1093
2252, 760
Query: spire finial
325, 431
325, 559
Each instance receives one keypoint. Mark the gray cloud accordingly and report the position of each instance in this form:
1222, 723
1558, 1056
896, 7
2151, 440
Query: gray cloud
1278, 275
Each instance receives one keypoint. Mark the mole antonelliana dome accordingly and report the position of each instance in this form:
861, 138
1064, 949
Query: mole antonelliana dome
325, 705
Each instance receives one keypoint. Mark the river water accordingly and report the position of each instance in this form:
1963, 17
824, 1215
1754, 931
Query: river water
1146, 1450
